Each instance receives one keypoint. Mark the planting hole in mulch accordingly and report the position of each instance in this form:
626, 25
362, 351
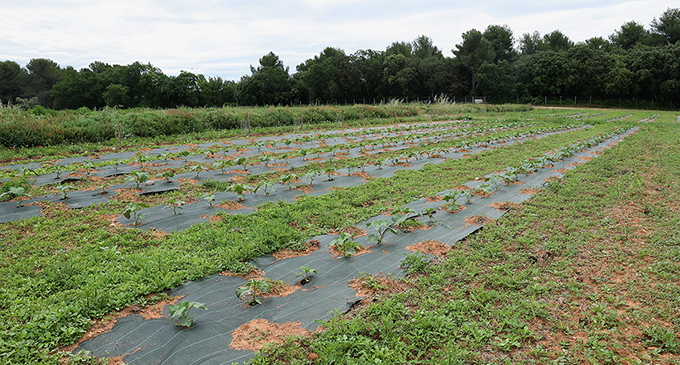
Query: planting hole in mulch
255, 273
281, 290
312, 246
505, 206
478, 220
337, 254
258, 332
445, 208
431, 247
231, 205
370, 285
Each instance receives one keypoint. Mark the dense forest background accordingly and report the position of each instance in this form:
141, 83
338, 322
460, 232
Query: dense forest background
634, 67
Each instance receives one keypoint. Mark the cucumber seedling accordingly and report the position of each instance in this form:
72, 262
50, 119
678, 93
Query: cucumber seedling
345, 244
306, 273
175, 205
382, 227
210, 198
181, 310
137, 177
16, 192
133, 211
450, 199
428, 212
64, 190
239, 190
255, 288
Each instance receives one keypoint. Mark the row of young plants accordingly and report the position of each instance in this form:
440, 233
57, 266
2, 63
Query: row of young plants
131, 143
579, 274
20, 128
20, 187
304, 177
411, 134
69, 267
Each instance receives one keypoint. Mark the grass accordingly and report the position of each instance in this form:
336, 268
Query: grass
60, 271
575, 275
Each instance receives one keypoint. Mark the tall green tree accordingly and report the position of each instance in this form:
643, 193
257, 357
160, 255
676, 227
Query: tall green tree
629, 35
43, 74
547, 74
531, 43
496, 81
185, 89
557, 41
370, 65
668, 25
400, 75
502, 40
423, 47
473, 52
402, 48
12, 81
116, 95
79, 88
269, 83
216, 92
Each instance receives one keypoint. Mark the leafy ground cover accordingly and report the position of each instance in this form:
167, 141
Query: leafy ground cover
585, 272
68, 267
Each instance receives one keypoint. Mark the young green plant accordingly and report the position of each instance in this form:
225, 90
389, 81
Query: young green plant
255, 288
181, 311
306, 273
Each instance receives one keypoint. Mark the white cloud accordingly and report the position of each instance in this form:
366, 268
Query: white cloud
222, 38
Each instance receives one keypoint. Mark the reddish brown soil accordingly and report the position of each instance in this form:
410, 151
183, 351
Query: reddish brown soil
431, 247
505, 205
312, 246
258, 332
478, 220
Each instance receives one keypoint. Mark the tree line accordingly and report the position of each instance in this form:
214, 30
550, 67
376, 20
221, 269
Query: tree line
632, 64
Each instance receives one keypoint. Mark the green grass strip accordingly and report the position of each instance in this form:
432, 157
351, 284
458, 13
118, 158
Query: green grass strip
53, 279
585, 272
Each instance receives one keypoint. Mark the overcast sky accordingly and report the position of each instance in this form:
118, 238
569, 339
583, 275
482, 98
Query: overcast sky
222, 38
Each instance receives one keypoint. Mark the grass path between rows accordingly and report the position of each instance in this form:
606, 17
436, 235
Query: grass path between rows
60, 271
586, 272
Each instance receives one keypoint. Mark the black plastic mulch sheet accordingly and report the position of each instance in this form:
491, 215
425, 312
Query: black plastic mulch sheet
207, 341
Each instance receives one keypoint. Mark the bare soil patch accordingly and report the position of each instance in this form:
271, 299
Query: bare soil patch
258, 332
431, 247
312, 246
478, 220
231, 205
505, 206
337, 254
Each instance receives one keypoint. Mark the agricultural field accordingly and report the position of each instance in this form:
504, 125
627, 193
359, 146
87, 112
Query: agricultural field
442, 234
